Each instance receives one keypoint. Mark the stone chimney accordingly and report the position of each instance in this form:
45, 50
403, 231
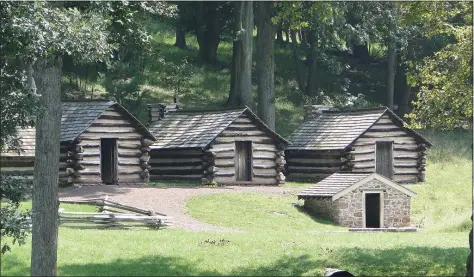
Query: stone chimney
313, 111
157, 111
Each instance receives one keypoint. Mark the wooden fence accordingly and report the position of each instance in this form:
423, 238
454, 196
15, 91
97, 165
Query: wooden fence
111, 215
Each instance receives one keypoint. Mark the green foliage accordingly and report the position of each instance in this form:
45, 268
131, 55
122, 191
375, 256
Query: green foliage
445, 97
445, 78
177, 77
46, 30
13, 222
34, 31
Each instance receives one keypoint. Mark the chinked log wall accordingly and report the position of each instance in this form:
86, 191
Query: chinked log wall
132, 150
316, 165
176, 164
409, 156
267, 158
24, 164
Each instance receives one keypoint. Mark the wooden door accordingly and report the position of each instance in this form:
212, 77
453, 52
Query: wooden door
384, 158
243, 160
372, 210
108, 161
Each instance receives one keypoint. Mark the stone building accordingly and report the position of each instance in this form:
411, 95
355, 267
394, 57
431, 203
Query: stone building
359, 201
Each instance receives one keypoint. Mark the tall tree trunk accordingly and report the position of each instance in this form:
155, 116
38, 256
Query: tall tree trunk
298, 65
208, 30
391, 74
287, 35
404, 107
311, 84
46, 171
241, 75
391, 60
180, 31
236, 55
279, 32
265, 63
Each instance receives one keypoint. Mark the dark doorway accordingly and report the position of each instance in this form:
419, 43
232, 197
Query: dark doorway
243, 160
384, 158
108, 160
372, 210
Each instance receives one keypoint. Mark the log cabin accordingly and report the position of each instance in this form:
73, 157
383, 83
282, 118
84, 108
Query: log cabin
357, 141
101, 143
225, 147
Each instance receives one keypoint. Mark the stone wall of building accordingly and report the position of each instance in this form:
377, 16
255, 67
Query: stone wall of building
348, 210
396, 210
322, 207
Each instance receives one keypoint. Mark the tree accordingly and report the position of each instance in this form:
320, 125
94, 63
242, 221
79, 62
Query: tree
320, 27
445, 78
391, 57
241, 73
48, 31
210, 20
265, 63
181, 27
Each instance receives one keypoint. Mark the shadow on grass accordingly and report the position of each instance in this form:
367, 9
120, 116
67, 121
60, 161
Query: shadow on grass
403, 261
315, 218
174, 266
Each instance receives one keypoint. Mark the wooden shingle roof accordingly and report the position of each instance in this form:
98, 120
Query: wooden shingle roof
339, 184
77, 116
338, 130
332, 185
197, 129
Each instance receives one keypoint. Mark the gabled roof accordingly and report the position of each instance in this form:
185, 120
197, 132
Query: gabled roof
340, 184
197, 129
77, 116
338, 130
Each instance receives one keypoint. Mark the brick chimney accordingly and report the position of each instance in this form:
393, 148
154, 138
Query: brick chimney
157, 111
313, 111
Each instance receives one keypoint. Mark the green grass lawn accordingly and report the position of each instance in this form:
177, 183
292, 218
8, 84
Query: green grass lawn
281, 240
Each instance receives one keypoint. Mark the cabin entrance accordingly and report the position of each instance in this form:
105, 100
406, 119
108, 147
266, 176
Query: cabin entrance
372, 210
108, 160
243, 160
384, 158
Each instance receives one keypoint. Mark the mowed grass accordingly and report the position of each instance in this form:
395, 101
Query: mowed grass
255, 253
281, 240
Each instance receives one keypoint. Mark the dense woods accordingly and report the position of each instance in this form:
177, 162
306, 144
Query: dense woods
414, 57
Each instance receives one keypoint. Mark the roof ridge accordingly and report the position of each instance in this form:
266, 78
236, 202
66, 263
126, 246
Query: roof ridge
356, 110
210, 110
86, 100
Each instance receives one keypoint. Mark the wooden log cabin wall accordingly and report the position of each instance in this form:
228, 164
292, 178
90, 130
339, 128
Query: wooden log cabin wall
359, 141
224, 147
101, 143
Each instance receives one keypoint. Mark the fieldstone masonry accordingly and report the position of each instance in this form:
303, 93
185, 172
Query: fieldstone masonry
349, 211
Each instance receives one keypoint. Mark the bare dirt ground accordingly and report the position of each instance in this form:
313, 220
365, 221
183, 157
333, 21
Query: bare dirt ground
170, 200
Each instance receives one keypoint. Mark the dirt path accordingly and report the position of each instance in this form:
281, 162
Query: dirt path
170, 201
